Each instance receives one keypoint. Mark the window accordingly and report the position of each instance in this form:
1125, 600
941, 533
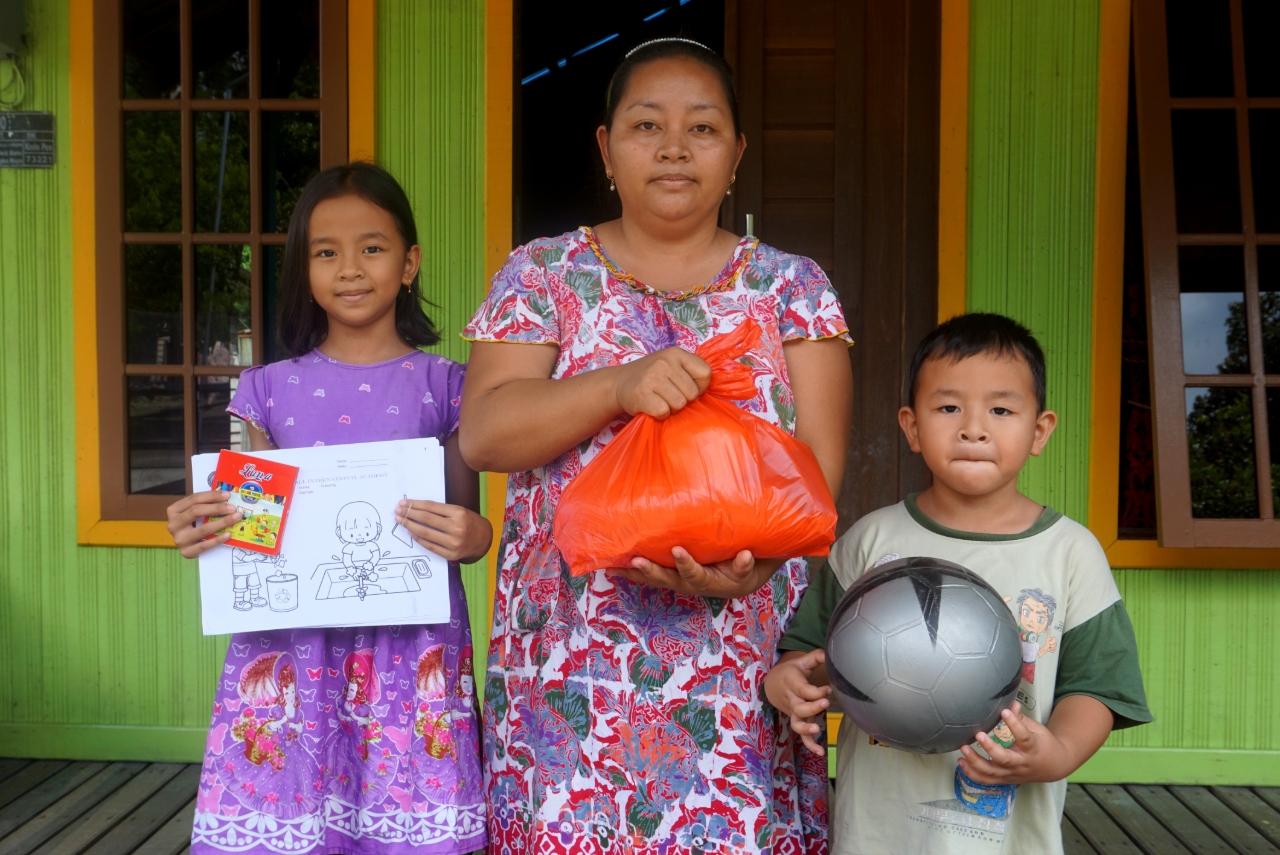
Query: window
208, 125
1208, 126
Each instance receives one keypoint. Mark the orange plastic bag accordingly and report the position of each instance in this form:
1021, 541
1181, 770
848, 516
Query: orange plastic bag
712, 478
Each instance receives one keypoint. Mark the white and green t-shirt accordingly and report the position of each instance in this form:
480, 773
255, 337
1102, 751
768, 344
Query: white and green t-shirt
1076, 640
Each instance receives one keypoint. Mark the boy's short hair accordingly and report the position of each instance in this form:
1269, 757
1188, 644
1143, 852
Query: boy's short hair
981, 332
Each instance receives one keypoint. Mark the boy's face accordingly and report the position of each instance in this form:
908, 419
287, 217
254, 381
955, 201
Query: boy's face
975, 421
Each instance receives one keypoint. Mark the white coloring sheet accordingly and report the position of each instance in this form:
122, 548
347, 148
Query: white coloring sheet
344, 561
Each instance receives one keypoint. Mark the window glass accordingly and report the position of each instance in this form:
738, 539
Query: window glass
220, 48
152, 172
151, 49
272, 261
217, 429
1264, 145
223, 316
222, 171
157, 456
1269, 301
1220, 446
290, 157
1199, 35
1261, 59
291, 67
153, 304
1214, 334
1206, 179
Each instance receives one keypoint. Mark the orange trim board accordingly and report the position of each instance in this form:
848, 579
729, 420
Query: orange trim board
953, 160
1108, 293
362, 77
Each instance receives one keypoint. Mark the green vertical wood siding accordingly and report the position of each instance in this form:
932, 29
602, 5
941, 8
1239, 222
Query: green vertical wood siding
1206, 637
100, 648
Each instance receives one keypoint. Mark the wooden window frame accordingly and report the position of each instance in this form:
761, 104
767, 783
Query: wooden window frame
1176, 524
114, 500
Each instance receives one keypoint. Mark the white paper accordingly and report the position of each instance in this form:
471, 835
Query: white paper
344, 561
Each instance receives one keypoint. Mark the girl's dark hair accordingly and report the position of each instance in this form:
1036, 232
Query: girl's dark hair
301, 325
667, 49
981, 332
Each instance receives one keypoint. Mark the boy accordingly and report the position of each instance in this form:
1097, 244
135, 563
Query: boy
977, 411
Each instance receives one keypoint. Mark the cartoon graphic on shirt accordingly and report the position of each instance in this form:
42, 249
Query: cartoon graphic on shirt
273, 770
364, 568
362, 767
993, 800
1034, 615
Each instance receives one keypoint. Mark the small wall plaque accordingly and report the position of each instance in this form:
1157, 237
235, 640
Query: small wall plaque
27, 140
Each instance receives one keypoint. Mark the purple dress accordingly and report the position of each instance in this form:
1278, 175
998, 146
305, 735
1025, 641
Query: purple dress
313, 747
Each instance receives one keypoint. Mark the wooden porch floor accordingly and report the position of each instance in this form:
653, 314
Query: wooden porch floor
57, 807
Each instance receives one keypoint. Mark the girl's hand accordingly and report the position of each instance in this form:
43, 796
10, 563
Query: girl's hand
729, 579
661, 383
790, 689
192, 539
450, 531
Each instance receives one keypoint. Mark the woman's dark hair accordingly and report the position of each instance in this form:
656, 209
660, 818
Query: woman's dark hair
301, 325
667, 49
981, 332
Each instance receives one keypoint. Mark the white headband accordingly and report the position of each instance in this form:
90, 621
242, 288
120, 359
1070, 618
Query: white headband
667, 39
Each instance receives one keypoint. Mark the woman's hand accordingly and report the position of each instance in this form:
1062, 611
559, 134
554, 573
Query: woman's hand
728, 579
192, 539
450, 531
661, 383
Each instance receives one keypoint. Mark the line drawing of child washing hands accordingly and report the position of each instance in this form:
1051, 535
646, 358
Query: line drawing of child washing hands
358, 527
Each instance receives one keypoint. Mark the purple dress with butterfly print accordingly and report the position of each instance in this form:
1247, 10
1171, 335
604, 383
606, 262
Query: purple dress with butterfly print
312, 747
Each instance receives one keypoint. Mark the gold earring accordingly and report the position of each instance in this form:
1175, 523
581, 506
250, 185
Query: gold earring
612, 187
729, 190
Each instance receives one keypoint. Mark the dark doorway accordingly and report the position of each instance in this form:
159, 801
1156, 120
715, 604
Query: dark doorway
565, 61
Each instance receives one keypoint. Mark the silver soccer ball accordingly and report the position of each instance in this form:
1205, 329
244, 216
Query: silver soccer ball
923, 655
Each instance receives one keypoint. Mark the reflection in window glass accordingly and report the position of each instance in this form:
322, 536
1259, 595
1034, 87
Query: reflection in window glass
223, 325
1261, 63
151, 49
1269, 300
1264, 140
1199, 37
157, 456
1205, 177
1220, 453
1214, 334
290, 157
220, 48
272, 261
291, 66
222, 172
152, 172
153, 304
217, 429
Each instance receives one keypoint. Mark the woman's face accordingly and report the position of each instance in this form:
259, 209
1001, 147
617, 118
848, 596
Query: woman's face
671, 150
352, 688
290, 696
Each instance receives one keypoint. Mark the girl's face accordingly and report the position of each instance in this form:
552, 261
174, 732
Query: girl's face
672, 150
359, 262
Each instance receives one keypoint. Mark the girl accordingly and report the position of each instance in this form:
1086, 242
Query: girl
351, 318
623, 708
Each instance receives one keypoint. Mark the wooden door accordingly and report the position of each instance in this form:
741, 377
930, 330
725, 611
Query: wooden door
839, 102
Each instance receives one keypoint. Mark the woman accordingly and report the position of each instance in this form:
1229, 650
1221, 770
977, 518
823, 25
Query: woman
627, 703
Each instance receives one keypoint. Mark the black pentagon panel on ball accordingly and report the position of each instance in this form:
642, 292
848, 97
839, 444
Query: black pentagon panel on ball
923, 654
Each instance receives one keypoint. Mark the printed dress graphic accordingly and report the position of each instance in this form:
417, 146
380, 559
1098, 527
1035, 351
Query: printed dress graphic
270, 767
443, 752
362, 766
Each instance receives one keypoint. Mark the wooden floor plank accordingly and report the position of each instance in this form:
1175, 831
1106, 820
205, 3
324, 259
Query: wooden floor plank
74, 804
173, 836
1095, 826
135, 828
10, 765
1180, 822
1152, 837
1270, 795
48, 791
99, 821
1253, 810
29, 777
1073, 842
1229, 826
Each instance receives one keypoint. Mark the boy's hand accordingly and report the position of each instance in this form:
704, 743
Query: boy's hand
789, 687
740, 576
1078, 727
192, 539
450, 531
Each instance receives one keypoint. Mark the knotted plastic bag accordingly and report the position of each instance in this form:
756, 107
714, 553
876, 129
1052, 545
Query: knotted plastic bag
712, 478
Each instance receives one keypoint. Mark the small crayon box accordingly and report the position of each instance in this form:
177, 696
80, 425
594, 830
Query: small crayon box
261, 490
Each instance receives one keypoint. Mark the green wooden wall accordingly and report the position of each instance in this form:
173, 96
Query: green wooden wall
101, 654
1207, 638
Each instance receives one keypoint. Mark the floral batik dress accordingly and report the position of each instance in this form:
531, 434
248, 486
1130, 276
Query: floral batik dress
621, 717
